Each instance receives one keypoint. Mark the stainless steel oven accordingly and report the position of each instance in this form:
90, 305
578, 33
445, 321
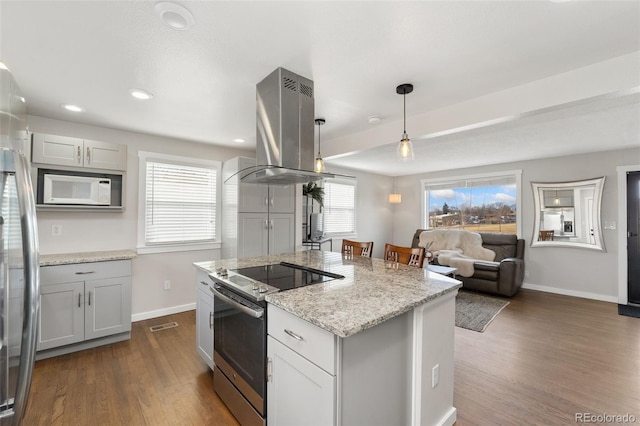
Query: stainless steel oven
240, 332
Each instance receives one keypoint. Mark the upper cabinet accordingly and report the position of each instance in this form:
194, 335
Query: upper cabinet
75, 152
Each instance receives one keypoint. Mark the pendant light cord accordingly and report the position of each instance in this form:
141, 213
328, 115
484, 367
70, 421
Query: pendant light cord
404, 113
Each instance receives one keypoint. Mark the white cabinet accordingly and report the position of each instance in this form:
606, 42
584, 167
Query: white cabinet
204, 319
257, 219
261, 233
301, 382
299, 392
76, 152
378, 376
82, 302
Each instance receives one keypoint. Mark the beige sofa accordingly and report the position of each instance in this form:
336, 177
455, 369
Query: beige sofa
504, 275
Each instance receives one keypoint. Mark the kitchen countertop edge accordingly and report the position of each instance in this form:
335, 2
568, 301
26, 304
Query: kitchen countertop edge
85, 257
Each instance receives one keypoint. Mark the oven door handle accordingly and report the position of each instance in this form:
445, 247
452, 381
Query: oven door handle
255, 313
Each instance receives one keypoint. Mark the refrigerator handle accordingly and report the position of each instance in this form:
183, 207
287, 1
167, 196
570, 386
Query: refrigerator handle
27, 207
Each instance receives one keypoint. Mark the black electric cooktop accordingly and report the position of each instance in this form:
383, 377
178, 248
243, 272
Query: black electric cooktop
285, 276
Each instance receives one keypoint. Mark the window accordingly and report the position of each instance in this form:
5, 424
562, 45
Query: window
339, 207
479, 203
179, 206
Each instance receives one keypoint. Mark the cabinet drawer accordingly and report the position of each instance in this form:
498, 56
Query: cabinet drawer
204, 280
310, 341
84, 271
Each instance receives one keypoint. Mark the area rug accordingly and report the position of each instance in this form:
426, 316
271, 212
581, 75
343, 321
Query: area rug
475, 311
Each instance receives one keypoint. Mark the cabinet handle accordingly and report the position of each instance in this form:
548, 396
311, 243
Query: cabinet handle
89, 298
88, 155
79, 299
271, 224
203, 283
85, 273
79, 156
210, 319
269, 369
266, 200
271, 202
266, 224
294, 335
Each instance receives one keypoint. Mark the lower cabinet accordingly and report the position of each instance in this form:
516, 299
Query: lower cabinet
204, 319
301, 379
299, 392
82, 302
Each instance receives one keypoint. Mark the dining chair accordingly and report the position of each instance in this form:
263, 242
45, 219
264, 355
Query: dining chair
357, 248
545, 236
412, 256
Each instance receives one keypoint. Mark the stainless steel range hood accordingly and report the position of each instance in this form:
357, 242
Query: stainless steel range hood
285, 131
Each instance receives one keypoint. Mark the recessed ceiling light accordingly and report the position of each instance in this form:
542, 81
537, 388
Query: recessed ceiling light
239, 140
141, 94
72, 108
174, 16
374, 119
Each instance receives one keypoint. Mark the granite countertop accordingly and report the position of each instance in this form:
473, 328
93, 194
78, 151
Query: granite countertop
85, 257
372, 291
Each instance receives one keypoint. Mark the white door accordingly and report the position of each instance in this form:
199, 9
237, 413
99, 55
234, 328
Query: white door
53, 149
281, 228
61, 315
298, 391
107, 307
281, 199
104, 155
204, 324
252, 234
253, 197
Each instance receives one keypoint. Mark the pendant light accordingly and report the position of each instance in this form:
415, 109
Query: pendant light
319, 168
405, 148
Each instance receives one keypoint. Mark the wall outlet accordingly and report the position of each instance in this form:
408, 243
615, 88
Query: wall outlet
56, 230
167, 284
435, 375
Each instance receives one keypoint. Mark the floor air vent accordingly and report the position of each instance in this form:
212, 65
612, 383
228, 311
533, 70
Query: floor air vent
163, 326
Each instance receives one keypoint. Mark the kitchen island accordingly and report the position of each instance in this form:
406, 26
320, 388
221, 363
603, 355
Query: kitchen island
375, 347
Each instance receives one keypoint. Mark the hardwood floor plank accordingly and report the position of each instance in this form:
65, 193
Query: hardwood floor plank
545, 358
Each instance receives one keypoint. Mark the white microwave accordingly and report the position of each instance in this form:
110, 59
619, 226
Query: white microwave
83, 190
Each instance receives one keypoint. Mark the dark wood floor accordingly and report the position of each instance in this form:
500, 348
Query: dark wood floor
545, 358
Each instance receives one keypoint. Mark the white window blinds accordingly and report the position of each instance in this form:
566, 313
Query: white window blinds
180, 203
339, 208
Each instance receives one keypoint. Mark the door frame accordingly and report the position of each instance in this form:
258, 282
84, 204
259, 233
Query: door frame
623, 292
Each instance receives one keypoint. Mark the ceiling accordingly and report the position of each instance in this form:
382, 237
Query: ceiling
90, 53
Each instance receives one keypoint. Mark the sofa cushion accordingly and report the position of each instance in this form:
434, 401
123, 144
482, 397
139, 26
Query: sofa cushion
504, 245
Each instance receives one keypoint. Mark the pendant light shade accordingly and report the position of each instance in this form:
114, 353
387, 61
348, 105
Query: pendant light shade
404, 152
319, 167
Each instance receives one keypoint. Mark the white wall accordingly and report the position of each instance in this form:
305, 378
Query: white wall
573, 271
97, 231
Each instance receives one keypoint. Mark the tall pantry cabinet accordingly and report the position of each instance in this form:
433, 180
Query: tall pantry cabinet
257, 219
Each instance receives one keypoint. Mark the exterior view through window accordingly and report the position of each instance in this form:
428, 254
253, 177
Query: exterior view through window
477, 204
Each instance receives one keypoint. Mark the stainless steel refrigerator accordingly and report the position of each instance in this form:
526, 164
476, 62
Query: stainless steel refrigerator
19, 270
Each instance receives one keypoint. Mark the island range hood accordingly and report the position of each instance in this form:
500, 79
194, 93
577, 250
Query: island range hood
285, 131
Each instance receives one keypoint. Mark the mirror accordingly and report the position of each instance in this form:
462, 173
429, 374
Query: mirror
568, 214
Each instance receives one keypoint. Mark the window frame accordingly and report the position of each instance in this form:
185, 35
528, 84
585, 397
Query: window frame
354, 184
517, 174
143, 158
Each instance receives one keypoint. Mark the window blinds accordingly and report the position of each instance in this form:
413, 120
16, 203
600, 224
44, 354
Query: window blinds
180, 203
339, 208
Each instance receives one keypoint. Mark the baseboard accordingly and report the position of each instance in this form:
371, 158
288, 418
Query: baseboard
574, 293
629, 310
450, 418
162, 312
